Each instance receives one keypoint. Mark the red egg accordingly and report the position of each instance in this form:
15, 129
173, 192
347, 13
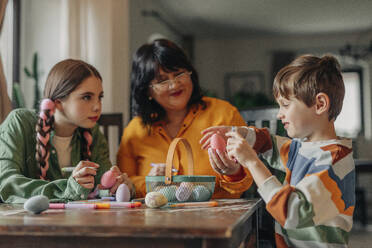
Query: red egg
218, 142
108, 179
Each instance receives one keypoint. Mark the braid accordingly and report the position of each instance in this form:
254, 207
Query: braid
86, 143
43, 127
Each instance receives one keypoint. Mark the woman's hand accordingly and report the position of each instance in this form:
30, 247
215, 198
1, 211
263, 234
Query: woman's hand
84, 174
221, 163
238, 148
122, 178
222, 130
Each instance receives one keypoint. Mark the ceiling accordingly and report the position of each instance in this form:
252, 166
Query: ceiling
219, 18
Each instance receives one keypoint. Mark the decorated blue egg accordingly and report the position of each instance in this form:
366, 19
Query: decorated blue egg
201, 193
104, 193
169, 192
37, 204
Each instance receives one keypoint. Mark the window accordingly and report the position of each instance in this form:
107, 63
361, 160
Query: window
6, 45
350, 121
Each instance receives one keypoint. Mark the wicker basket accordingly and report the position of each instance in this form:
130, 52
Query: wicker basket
181, 188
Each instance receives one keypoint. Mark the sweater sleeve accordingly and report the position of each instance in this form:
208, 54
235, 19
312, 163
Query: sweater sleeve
237, 183
271, 149
324, 193
18, 170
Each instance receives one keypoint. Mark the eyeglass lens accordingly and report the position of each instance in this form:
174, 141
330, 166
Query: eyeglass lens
166, 83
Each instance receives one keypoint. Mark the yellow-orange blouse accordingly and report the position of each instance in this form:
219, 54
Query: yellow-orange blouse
139, 148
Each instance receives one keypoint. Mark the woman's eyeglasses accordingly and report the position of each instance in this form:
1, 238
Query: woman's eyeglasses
165, 85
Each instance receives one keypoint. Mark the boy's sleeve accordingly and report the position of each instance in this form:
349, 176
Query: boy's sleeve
268, 147
15, 187
318, 197
243, 180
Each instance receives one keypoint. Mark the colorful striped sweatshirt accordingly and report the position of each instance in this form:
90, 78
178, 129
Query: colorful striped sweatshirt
311, 194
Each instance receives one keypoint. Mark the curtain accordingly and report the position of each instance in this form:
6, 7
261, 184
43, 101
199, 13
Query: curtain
5, 103
97, 32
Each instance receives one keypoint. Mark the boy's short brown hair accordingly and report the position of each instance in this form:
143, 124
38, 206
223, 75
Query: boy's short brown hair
309, 75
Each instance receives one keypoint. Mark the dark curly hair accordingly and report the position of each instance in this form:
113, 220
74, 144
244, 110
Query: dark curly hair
147, 61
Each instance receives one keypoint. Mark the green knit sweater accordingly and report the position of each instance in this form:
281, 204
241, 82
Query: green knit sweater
19, 178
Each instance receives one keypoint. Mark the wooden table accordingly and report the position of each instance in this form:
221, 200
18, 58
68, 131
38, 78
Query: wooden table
229, 224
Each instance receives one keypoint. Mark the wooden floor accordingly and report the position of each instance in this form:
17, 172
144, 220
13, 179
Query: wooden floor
361, 237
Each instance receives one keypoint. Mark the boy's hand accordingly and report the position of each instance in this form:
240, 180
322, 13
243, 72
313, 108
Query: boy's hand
84, 174
221, 163
222, 130
239, 149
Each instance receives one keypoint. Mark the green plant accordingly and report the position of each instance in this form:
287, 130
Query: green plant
244, 100
18, 99
35, 76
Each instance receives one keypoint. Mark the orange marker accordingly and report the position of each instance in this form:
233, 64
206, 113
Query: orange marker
194, 204
118, 205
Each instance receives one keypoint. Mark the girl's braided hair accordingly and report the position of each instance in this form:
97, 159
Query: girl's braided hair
63, 79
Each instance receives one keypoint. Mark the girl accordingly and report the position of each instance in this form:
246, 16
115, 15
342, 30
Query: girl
34, 148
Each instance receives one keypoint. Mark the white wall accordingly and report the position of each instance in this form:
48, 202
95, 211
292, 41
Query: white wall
40, 20
141, 28
215, 57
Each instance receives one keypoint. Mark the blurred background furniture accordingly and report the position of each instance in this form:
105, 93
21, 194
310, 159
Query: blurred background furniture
361, 210
111, 119
263, 117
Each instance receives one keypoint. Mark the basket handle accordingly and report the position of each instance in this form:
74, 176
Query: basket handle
170, 156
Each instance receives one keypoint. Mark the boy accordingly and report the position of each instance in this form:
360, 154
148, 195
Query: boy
312, 196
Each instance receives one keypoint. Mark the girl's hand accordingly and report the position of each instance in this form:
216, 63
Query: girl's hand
238, 148
122, 178
221, 163
84, 174
222, 130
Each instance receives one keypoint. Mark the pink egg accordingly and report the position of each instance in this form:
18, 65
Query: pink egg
108, 179
218, 142
122, 193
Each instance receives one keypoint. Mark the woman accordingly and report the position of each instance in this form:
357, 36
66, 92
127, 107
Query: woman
169, 104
